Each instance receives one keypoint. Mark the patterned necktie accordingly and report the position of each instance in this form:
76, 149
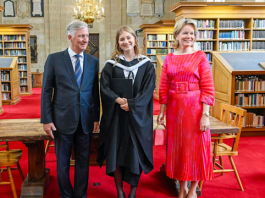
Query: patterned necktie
78, 70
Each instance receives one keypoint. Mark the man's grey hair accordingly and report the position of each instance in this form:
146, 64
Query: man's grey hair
75, 25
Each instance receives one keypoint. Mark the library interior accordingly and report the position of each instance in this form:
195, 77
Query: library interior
228, 37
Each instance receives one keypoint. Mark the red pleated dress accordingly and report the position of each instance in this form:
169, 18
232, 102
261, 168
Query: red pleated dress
186, 83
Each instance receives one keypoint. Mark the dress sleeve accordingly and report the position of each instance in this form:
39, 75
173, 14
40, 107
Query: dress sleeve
206, 81
164, 83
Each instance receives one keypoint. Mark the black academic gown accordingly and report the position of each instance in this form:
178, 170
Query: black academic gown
126, 138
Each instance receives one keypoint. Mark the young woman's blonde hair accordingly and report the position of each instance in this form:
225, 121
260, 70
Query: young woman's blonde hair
179, 25
118, 51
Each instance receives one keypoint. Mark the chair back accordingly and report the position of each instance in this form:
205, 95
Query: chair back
4, 145
234, 116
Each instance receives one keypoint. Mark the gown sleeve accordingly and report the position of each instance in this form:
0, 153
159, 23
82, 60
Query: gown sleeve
146, 93
106, 93
164, 83
206, 81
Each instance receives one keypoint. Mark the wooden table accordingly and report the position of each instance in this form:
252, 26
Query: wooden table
30, 131
216, 127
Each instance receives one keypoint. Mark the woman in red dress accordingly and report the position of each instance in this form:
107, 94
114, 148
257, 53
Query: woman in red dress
186, 91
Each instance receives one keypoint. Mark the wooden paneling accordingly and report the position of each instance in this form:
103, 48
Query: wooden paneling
37, 79
219, 9
94, 38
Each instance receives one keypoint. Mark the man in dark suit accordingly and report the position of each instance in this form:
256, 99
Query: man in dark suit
70, 108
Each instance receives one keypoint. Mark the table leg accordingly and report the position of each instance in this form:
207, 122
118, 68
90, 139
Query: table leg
38, 177
176, 183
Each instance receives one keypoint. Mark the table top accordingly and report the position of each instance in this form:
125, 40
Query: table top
216, 126
32, 129
22, 130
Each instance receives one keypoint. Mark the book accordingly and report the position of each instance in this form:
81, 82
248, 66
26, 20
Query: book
122, 87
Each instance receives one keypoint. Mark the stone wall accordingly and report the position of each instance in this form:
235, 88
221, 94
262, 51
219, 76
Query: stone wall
51, 29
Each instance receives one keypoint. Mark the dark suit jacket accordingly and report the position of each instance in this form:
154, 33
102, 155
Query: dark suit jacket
62, 101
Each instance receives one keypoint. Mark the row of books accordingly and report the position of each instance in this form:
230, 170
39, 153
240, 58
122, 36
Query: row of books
234, 46
22, 67
23, 81
6, 96
232, 24
259, 23
157, 44
170, 37
205, 34
156, 51
15, 45
253, 120
21, 60
250, 100
250, 84
258, 45
160, 37
14, 38
6, 87
23, 74
23, 89
1, 45
5, 75
170, 43
205, 23
209, 56
171, 50
237, 34
15, 52
206, 46
1, 52
258, 34
152, 58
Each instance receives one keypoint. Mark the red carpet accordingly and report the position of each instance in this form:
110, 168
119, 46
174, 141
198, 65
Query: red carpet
250, 165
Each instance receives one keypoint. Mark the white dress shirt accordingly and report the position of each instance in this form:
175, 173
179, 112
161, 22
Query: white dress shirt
73, 58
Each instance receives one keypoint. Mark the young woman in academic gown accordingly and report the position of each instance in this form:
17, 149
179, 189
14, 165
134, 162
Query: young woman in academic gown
126, 128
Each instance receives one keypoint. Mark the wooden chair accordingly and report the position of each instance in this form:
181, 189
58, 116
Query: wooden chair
48, 145
234, 116
10, 158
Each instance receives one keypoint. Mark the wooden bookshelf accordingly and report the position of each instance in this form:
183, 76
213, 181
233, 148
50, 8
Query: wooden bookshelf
1, 108
10, 81
234, 26
229, 71
15, 39
158, 39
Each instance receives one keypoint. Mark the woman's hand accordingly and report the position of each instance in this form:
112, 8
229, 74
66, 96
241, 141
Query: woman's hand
120, 101
205, 123
160, 119
125, 106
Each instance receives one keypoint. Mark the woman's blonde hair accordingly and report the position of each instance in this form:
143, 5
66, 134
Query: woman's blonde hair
179, 25
118, 51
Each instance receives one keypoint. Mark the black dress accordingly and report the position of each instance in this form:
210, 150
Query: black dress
126, 137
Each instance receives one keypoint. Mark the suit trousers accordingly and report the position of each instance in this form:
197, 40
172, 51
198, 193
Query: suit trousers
63, 147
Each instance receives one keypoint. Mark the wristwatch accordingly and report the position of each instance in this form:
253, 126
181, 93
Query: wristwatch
206, 113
